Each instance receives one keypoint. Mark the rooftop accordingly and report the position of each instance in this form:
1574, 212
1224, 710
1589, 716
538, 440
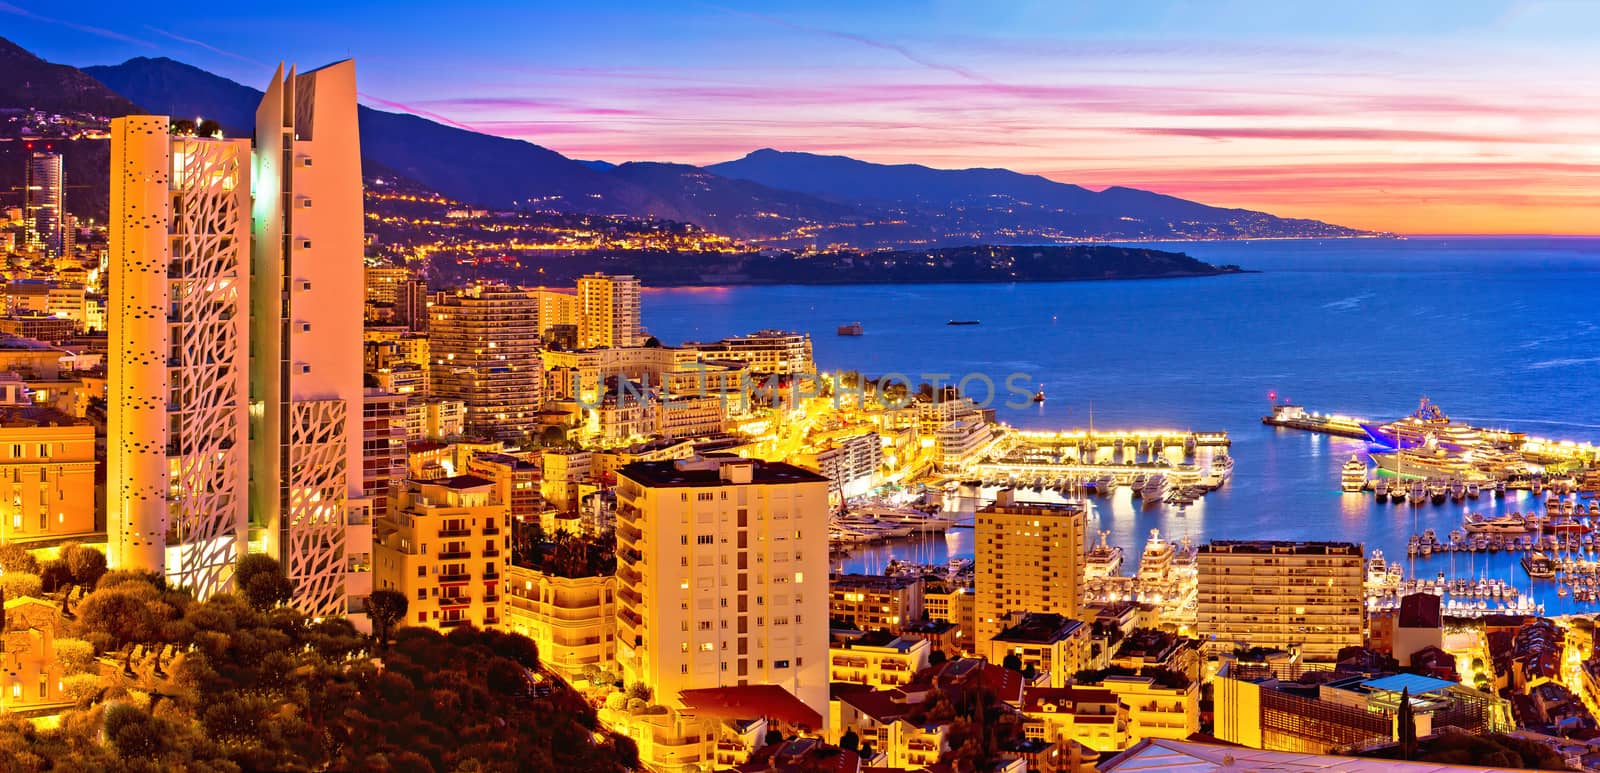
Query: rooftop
749, 702
18, 416
1417, 684
1039, 628
871, 582
1169, 756
708, 472
1279, 547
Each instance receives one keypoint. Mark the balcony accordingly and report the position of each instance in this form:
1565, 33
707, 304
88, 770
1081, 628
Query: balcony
461, 532
491, 598
491, 531
454, 623
631, 617
455, 601
459, 576
491, 553
629, 533
630, 595
454, 555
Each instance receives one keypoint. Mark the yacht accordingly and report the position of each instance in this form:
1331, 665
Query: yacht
1437, 491
1458, 490
1155, 487
1103, 560
1419, 492
1505, 524
1222, 466
1538, 565
1473, 489
1353, 477
852, 329
1499, 489
1380, 490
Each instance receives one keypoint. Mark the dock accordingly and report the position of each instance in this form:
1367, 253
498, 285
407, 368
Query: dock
1296, 417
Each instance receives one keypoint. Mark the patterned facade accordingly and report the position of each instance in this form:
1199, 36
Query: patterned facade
176, 377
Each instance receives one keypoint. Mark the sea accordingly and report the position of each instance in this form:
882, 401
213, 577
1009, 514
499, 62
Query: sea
1500, 332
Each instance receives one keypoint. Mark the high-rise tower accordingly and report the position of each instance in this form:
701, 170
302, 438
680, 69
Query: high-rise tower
306, 308
608, 311
43, 205
176, 429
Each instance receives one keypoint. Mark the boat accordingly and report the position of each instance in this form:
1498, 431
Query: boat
1038, 396
1380, 490
1437, 491
1103, 560
1499, 489
1397, 493
1538, 565
852, 329
1426, 426
1353, 477
962, 322
1222, 464
1458, 490
1419, 492
1505, 524
1155, 487
1473, 489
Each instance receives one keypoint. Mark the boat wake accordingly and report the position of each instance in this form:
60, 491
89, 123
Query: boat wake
1349, 304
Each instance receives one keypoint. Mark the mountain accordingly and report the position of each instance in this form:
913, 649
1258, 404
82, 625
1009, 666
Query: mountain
738, 208
55, 103
769, 196
997, 203
32, 82
478, 168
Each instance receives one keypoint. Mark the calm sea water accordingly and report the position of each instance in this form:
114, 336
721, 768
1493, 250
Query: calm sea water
1501, 332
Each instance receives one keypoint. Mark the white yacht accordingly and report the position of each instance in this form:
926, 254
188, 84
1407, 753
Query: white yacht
1353, 477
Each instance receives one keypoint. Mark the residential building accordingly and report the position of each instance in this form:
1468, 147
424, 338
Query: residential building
39, 326
306, 276
446, 547
555, 308
1045, 644
383, 283
1092, 716
960, 442
30, 674
572, 619
955, 604
608, 309
1028, 558
564, 472
383, 448
176, 373
872, 602
516, 480
1282, 595
44, 206
878, 659
722, 565
435, 419
485, 348
1168, 707
47, 471
851, 464
766, 352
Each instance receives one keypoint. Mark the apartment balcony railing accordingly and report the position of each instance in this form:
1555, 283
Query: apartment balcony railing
454, 555
455, 577
461, 532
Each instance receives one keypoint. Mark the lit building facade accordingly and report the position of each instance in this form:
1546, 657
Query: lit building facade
1305, 596
307, 292
608, 311
445, 547
43, 207
176, 371
572, 619
1029, 558
722, 568
484, 343
47, 467
871, 602
765, 351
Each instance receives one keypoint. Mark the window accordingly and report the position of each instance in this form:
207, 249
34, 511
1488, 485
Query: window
305, 244
422, 593
780, 664
422, 571
704, 625
305, 203
44, 450
305, 161
704, 539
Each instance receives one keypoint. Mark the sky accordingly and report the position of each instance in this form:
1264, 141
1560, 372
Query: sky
1412, 116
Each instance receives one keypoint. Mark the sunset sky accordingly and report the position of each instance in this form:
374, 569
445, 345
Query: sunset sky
1415, 117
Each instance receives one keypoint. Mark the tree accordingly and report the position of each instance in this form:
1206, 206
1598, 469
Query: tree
55, 576
1012, 662
386, 608
773, 736
86, 564
15, 585
1407, 726
639, 690
15, 558
850, 741
937, 657
261, 580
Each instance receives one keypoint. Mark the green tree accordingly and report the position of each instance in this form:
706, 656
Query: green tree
386, 608
15, 585
262, 581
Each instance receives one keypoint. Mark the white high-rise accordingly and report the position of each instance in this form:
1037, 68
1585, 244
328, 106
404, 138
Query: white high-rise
176, 428
226, 337
306, 316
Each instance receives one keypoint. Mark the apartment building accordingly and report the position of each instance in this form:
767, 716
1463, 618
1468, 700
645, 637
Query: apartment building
871, 602
572, 619
445, 547
1029, 558
1304, 596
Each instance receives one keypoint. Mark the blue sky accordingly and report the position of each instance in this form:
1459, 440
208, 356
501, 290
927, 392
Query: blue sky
1408, 116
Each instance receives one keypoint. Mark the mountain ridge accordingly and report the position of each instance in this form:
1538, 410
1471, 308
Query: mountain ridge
772, 197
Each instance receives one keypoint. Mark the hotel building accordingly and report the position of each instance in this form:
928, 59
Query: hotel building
176, 371
1028, 558
765, 351
608, 311
722, 570
1304, 596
